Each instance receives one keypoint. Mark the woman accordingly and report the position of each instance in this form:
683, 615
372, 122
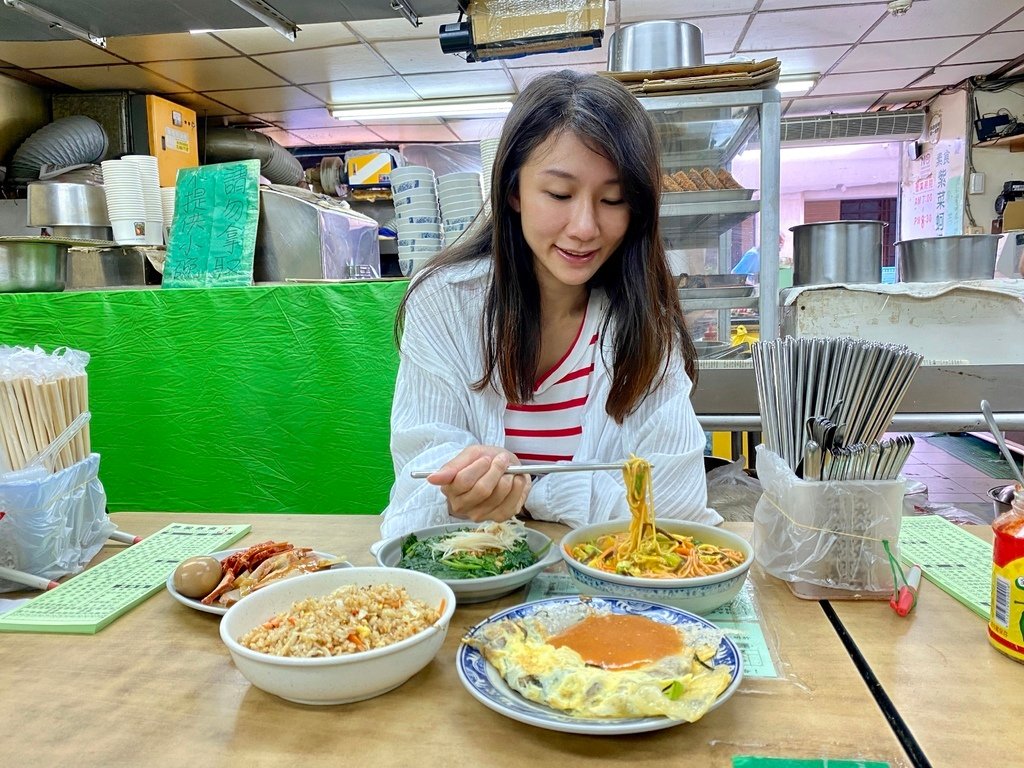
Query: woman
552, 333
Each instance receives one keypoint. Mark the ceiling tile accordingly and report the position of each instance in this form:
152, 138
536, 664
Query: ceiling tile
487, 82
942, 17
256, 100
368, 90
341, 62
775, 5
999, 46
817, 26
652, 10
341, 135
475, 130
944, 76
118, 77
264, 40
829, 104
867, 82
801, 61
904, 97
300, 118
413, 132
400, 29
163, 47
216, 74
284, 138
1016, 23
565, 59
415, 56
524, 75
54, 53
201, 104
868, 57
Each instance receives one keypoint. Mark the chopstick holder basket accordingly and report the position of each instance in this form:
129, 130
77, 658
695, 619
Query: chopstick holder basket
830, 532
53, 524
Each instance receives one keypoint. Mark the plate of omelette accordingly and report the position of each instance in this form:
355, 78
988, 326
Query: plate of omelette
599, 665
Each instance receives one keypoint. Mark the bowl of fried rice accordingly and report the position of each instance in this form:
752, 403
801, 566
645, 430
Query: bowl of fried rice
339, 636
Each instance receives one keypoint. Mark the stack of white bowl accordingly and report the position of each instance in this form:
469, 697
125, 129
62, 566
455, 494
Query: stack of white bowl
167, 204
488, 149
414, 191
149, 175
126, 205
461, 200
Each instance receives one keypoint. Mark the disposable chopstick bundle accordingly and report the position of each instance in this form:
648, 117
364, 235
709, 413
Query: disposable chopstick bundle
40, 395
857, 385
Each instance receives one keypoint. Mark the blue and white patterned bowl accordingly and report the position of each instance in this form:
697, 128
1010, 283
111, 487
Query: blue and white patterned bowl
698, 594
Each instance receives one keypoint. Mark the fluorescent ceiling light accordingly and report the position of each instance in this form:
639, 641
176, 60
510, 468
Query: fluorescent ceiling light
269, 16
481, 107
795, 85
403, 7
56, 22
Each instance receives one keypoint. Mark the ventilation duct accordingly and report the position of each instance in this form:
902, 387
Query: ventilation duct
67, 142
277, 164
898, 125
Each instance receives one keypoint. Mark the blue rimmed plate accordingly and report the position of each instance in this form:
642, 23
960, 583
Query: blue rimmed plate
487, 686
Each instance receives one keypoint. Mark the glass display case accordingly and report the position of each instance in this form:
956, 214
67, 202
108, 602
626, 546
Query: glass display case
705, 211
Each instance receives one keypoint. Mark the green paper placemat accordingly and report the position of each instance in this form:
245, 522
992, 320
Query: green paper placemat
955, 560
749, 761
86, 603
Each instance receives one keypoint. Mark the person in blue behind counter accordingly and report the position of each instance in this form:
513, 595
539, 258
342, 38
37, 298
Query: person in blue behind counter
750, 261
553, 333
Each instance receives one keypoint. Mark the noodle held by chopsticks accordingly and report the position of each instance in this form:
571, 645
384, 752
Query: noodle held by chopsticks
647, 551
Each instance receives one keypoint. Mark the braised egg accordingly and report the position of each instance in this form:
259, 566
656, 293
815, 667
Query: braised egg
197, 576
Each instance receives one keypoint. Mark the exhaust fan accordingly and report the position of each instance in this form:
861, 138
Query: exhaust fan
898, 125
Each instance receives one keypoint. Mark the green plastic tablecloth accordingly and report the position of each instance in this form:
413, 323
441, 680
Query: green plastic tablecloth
261, 399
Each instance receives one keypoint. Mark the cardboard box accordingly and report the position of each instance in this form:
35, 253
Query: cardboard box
369, 169
496, 22
1013, 215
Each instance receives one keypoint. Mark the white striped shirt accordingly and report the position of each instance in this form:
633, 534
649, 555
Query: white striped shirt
549, 427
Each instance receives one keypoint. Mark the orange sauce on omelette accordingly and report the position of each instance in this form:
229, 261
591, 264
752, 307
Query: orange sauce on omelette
619, 641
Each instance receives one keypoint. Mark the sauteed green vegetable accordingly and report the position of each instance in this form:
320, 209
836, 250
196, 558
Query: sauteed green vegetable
472, 553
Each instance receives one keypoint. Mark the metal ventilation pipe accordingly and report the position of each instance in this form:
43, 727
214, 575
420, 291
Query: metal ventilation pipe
277, 164
69, 141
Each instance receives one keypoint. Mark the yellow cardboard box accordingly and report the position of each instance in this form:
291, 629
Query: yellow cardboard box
1013, 215
369, 170
496, 22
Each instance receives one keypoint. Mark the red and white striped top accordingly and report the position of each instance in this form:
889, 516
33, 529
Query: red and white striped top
548, 428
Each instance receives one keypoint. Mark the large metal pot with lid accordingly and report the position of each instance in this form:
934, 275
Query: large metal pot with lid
650, 45
837, 252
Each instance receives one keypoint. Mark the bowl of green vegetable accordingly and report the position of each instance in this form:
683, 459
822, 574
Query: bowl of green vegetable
479, 562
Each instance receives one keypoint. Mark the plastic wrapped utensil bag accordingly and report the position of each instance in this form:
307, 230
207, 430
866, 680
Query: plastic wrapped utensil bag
52, 526
829, 533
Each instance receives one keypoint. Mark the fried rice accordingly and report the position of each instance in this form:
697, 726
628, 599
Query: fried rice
351, 619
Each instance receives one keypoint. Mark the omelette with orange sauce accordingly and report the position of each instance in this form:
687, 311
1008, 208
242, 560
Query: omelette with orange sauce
605, 666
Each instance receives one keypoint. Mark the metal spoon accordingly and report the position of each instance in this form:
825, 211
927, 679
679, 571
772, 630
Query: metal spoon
986, 411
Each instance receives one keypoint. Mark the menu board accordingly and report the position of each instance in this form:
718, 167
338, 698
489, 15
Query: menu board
213, 237
933, 192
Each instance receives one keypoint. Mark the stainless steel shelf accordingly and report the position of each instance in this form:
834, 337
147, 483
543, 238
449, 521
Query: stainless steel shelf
746, 302
700, 225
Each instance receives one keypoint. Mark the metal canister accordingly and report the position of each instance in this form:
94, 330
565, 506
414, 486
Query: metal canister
1006, 622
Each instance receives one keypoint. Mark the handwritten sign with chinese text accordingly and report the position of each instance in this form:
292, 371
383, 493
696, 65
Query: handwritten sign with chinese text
213, 236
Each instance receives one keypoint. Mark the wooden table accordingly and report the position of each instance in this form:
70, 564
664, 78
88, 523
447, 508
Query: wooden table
157, 687
959, 697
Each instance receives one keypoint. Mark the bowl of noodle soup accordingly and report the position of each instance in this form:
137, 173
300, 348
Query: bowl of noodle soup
688, 565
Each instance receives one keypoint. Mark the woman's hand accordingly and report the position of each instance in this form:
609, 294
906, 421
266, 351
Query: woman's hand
476, 486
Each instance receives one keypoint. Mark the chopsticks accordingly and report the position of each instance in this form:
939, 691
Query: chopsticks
541, 469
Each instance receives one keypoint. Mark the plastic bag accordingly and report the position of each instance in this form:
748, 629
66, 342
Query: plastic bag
732, 492
53, 526
828, 533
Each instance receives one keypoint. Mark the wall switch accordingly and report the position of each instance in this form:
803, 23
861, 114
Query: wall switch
977, 184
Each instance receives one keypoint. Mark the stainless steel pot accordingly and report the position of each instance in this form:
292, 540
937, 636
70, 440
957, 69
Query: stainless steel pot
61, 204
837, 252
954, 257
655, 45
32, 266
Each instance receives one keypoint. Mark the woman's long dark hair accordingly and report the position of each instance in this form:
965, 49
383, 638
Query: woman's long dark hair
644, 310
